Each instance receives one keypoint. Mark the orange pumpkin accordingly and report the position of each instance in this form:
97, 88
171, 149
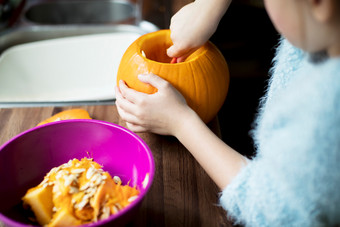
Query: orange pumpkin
203, 78
67, 115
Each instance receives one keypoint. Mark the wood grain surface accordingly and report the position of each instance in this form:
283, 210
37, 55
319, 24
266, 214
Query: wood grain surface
182, 194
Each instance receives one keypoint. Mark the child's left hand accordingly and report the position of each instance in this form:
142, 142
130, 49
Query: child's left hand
161, 112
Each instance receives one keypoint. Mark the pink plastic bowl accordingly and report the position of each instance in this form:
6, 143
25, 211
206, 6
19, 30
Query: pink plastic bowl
26, 158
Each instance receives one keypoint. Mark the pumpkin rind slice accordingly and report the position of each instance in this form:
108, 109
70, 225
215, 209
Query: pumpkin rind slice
39, 199
64, 218
67, 115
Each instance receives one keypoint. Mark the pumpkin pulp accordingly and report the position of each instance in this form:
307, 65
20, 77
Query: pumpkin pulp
78, 192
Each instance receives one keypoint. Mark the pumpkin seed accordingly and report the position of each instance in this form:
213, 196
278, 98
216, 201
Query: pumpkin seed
105, 213
85, 186
78, 170
115, 209
117, 180
81, 205
90, 172
132, 198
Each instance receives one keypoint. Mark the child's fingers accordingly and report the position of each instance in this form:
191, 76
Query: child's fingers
153, 80
131, 120
178, 51
182, 58
124, 107
135, 127
128, 93
124, 104
126, 115
174, 51
180, 54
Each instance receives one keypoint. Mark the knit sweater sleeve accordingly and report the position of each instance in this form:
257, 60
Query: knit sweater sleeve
294, 179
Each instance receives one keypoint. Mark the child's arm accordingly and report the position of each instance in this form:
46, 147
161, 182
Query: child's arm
167, 113
220, 161
194, 24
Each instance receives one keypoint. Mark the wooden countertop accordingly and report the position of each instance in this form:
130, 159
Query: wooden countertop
182, 194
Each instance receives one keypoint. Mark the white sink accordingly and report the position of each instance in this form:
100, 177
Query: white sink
71, 69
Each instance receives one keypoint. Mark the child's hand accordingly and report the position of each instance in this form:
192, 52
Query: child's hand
193, 25
187, 31
160, 112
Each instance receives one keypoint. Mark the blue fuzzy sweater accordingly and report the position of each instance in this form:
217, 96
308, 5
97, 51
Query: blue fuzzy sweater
294, 179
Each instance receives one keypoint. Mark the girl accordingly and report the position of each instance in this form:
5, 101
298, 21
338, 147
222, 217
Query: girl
294, 178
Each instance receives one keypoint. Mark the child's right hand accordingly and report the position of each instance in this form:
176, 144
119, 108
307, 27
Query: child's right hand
193, 25
161, 112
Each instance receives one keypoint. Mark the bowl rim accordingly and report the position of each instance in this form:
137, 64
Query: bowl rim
138, 200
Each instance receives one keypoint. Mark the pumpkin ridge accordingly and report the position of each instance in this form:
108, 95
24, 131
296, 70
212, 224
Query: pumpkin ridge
213, 77
195, 106
207, 87
193, 93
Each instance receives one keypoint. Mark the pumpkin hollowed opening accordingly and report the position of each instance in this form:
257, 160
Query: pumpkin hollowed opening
155, 48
